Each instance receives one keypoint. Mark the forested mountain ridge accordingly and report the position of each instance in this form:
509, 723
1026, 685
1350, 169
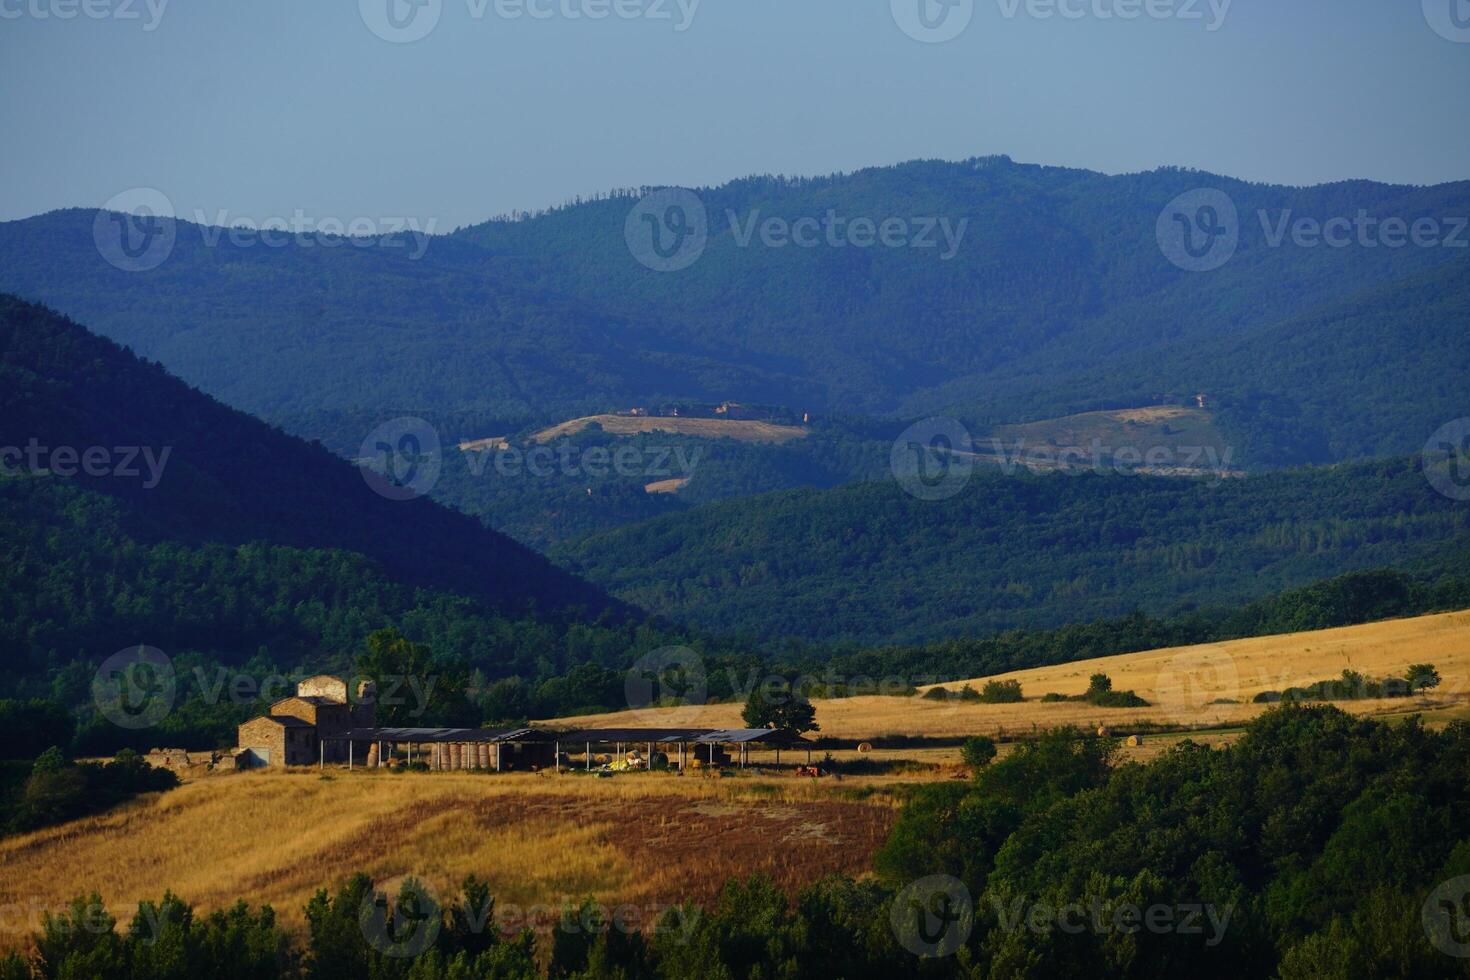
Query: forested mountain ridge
207, 473
1047, 272
871, 564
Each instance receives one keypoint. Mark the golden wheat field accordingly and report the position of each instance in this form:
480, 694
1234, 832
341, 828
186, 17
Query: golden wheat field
271, 837
1180, 684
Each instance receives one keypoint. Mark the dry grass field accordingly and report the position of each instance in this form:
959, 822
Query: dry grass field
650, 840
1179, 683
269, 837
766, 433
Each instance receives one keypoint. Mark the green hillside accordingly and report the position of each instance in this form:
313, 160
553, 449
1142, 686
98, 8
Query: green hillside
872, 564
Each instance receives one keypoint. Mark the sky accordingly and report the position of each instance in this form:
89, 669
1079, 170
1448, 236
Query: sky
259, 109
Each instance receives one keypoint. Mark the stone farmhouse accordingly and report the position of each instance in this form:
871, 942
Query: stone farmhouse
309, 727
320, 724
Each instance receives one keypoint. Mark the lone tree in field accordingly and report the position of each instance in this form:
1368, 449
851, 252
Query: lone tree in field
782, 708
1422, 677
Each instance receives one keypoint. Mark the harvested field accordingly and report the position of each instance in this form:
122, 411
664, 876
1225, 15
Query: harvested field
1180, 683
646, 841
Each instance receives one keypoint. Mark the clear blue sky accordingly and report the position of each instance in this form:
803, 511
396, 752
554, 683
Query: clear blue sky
262, 107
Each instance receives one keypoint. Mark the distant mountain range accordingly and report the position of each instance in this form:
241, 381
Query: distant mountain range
1045, 292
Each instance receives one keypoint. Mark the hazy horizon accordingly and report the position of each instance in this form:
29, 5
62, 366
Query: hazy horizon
266, 109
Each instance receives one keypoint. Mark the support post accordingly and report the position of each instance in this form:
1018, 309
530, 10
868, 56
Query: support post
556, 747
349, 753
321, 762
589, 756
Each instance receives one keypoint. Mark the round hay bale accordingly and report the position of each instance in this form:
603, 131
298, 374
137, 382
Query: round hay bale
865, 748
1135, 740
1104, 733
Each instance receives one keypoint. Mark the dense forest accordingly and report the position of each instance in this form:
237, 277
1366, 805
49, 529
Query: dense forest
1318, 846
218, 475
872, 564
1057, 271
